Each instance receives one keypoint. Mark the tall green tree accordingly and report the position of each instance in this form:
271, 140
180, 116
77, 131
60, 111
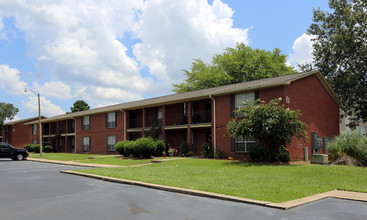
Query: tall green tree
7, 111
79, 105
235, 65
340, 53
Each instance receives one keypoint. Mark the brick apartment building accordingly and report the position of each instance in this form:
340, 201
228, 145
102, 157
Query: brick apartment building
196, 117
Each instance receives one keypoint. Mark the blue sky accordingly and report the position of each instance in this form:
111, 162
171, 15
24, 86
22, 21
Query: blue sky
118, 51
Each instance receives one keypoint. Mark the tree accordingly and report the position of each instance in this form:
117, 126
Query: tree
7, 111
235, 65
271, 123
79, 105
340, 53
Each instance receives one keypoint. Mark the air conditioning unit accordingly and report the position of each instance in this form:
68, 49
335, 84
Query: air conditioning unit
319, 158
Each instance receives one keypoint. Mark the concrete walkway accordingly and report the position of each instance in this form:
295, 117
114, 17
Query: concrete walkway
285, 205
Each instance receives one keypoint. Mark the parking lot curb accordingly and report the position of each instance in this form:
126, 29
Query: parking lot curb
339, 194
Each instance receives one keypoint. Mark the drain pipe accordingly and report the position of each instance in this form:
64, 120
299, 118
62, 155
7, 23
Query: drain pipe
215, 129
124, 123
74, 135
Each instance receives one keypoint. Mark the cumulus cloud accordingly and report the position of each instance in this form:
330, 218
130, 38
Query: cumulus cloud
173, 33
47, 108
302, 50
81, 50
10, 80
57, 90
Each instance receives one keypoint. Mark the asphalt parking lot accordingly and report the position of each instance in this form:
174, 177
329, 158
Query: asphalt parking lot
33, 190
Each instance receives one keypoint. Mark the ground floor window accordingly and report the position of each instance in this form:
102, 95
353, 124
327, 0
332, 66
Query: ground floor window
86, 144
34, 141
110, 142
244, 145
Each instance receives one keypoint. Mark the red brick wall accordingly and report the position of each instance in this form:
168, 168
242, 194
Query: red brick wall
319, 112
98, 133
20, 134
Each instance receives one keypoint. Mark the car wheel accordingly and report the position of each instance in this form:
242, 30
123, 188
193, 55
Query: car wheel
20, 157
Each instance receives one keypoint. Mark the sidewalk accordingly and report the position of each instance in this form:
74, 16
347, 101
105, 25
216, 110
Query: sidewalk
339, 194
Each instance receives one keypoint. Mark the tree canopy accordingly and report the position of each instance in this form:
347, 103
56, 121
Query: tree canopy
7, 111
79, 105
340, 53
235, 65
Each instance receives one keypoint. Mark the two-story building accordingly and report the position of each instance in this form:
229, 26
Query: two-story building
196, 117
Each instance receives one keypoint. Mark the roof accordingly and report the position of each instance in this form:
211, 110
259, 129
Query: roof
200, 94
22, 120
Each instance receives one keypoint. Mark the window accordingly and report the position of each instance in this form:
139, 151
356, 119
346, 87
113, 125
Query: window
243, 145
86, 123
34, 141
243, 97
34, 129
110, 142
160, 116
111, 120
6, 129
86, 143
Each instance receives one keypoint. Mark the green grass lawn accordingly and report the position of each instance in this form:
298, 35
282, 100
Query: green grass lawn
99, 158
63, 156
274, 183
117, 161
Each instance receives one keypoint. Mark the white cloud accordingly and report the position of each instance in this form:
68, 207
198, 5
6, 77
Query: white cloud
10, 81
47, 108
173, 33
57, 90
82, 52
302, 50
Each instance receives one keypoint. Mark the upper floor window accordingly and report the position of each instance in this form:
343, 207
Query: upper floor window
86, 123
243, 97
34, 129
111, 120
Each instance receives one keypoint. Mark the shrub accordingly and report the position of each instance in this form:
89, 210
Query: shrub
284, 154
160, 147
129, 148
119, 147
257, 154
145, 146
206, 150
185, 148
349, 143
48, 149
28, 147
189, 154
36, 148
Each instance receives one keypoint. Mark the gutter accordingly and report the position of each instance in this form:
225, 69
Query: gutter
215, 126
124, 123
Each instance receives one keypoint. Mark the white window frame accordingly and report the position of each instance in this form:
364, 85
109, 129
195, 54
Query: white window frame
241, 140
85, 143
34, 129
240, 98
34, 141
111, 140
111, 120
86, 123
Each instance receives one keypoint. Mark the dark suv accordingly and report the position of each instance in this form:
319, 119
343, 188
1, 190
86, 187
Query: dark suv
8, 151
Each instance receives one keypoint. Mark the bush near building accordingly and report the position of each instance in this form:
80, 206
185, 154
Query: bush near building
145, 147
349, 144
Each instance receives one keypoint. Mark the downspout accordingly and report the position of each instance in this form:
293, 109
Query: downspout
215, 127
124, 123
75, 140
